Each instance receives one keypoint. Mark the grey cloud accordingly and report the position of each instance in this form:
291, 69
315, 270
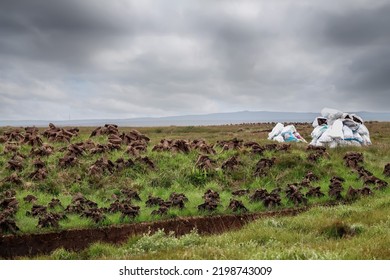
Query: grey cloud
148, 58
359, 27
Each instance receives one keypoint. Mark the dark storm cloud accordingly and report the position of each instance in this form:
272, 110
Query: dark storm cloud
96, 59
359, 27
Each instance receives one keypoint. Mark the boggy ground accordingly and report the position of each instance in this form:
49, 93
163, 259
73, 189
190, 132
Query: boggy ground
80, 181
357, 231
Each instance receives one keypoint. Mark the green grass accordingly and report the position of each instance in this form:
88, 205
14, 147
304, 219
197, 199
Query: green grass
176, 172
314, 234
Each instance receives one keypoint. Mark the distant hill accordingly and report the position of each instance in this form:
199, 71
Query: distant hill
207, 119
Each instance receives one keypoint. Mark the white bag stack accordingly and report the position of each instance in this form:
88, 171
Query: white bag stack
335, 128
286, 133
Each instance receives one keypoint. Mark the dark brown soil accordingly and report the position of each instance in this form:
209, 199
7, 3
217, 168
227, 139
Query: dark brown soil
38, 175
269, 199
353, 159
240, 192
16, 163
37, 210
294, 194
231, 163
263, 165
315, 148
259, 195
162, 210
13, 179
153, 201
95, 214
56, 134
30, 198
284, 147
177, 145
147, 161
314, 192
386, 171
316, 155
7, 224
211, 201
202, 146
233, 144
45, 150
271, 147
68, 161
55, 202
204, 162
129, 211
237, 206
50, 220
311, 176
336, 187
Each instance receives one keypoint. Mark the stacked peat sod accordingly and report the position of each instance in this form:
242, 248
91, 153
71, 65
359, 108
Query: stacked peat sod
40, 172
45, 218
316, 152
211, 201
386, 171
135, 141
56, 134
269, 200
354, 161
237, 206
124, 204
263, 166
8, 208
233, 144
184, 146
205, 163
176, 200
255, 147
231, 164
177, 145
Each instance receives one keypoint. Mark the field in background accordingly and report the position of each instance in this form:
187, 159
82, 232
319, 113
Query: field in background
355, 231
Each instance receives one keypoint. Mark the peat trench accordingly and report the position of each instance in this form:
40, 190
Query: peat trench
12, 246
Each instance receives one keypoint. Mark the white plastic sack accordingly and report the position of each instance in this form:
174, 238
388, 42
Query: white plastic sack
279, 138
348, 133
356, 118
319, 121
363, 130
275, 131
357, 137
325, 138
289, 137
317, 132
342, 129
331, 114
351, 124
288, 129
352, 143
336, 130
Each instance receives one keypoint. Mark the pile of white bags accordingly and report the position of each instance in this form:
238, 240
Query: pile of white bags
335, 128
286, 133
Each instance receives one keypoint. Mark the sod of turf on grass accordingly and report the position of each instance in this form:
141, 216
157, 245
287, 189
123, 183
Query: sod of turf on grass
92, 176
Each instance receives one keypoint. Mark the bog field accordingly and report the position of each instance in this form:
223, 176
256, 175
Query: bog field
194, 192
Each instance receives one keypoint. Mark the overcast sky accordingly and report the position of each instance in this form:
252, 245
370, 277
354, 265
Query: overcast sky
87, 59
